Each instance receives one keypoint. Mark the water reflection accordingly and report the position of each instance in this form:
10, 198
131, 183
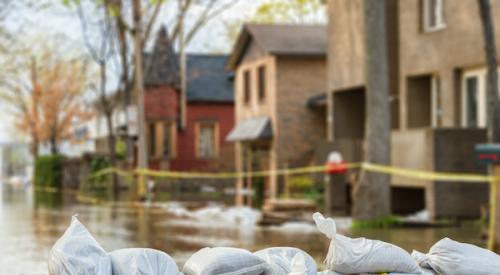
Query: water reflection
31, 222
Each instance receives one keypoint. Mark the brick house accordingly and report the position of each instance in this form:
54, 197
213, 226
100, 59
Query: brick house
278, 69
200, 146
437, 86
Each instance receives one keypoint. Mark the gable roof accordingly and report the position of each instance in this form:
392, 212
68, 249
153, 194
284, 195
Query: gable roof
275, 39
161, 66
208, 80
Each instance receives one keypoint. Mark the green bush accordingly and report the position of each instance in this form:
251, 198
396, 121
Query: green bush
97, 164
49, 171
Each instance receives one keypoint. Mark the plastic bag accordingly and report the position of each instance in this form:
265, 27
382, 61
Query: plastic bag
224, 261
282, 260
141, 261
78, 253
354, 256
451, 257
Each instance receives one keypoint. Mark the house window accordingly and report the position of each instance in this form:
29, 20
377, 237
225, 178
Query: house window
474, 99
152, 139
262, 83
246, 87
433, 15
206, 140
162, 140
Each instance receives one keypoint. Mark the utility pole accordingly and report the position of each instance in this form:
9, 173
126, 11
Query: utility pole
182, 61
139, 89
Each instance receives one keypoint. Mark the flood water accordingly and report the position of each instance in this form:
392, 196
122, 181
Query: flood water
30, 224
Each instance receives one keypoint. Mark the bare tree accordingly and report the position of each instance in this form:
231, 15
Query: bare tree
101, 48
493, 105
372, 193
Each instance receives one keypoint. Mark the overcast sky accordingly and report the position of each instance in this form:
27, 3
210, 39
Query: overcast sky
51, 19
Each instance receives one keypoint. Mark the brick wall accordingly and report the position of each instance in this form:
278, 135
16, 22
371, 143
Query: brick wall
186, 158
161, 102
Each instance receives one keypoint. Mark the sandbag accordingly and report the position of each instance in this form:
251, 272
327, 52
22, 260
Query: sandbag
142, 261
354, 256
451, 257
225, 261
282, 260
78, 253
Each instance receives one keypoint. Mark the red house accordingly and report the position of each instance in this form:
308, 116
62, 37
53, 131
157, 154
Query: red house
200, 145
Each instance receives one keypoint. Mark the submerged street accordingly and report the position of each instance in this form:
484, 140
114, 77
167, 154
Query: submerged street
30, 225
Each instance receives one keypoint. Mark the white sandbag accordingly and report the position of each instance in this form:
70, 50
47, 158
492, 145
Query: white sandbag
451, 257
78, 253
354, 256
141, 261
329, 272
281, 258
225, 261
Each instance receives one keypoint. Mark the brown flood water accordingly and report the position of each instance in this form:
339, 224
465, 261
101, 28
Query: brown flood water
30, 224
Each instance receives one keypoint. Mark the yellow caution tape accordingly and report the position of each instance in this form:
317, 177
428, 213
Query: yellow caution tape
377, 168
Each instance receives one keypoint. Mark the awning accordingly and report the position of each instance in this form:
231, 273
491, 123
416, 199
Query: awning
251, 129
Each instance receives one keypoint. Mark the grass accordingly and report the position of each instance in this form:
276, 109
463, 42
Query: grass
387, 222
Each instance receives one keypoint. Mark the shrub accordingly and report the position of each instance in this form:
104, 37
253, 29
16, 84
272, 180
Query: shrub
49, 171
97, 164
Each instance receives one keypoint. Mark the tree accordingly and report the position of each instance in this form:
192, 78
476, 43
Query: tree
101, 48
371, 195
294, 11
493, 106
46, 100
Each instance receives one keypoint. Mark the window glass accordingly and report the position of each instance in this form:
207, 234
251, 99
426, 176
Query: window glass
472, 101
167, 140
152, 139
262, 83
246, 87
433, 16
206, 140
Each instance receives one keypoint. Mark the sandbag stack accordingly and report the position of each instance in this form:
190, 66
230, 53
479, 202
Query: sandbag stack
78, 253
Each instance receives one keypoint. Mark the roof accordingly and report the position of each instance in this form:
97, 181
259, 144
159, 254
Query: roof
303, 40
316, 100
251, 129
207, 79
161, 66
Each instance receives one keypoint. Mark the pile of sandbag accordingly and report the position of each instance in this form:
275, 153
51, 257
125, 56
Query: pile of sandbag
364, 256
78, 253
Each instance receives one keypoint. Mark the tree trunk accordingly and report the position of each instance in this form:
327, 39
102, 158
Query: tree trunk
108, 111
139, 88
182, 71
371, 195
493, 111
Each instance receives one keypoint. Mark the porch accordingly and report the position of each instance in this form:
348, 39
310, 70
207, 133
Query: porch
428, 149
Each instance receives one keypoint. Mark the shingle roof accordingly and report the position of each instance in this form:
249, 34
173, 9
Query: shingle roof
207, 79
281, 40
161, 66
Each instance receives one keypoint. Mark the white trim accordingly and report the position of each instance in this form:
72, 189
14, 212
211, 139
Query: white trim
480, 75
435, 108
438, 13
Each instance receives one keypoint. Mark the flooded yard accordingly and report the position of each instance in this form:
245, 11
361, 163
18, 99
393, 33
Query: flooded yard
30, 224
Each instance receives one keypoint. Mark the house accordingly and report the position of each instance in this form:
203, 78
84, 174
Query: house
200, 144
280, 77
437, 94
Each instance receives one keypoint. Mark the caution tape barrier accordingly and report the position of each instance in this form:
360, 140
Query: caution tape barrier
370, 167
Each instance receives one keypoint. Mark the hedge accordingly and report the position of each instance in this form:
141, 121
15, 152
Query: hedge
49, 171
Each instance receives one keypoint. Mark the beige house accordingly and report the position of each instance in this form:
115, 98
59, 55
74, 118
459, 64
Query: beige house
279, 69
438, 95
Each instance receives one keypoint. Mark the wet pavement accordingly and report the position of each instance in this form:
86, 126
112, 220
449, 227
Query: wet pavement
31, 223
